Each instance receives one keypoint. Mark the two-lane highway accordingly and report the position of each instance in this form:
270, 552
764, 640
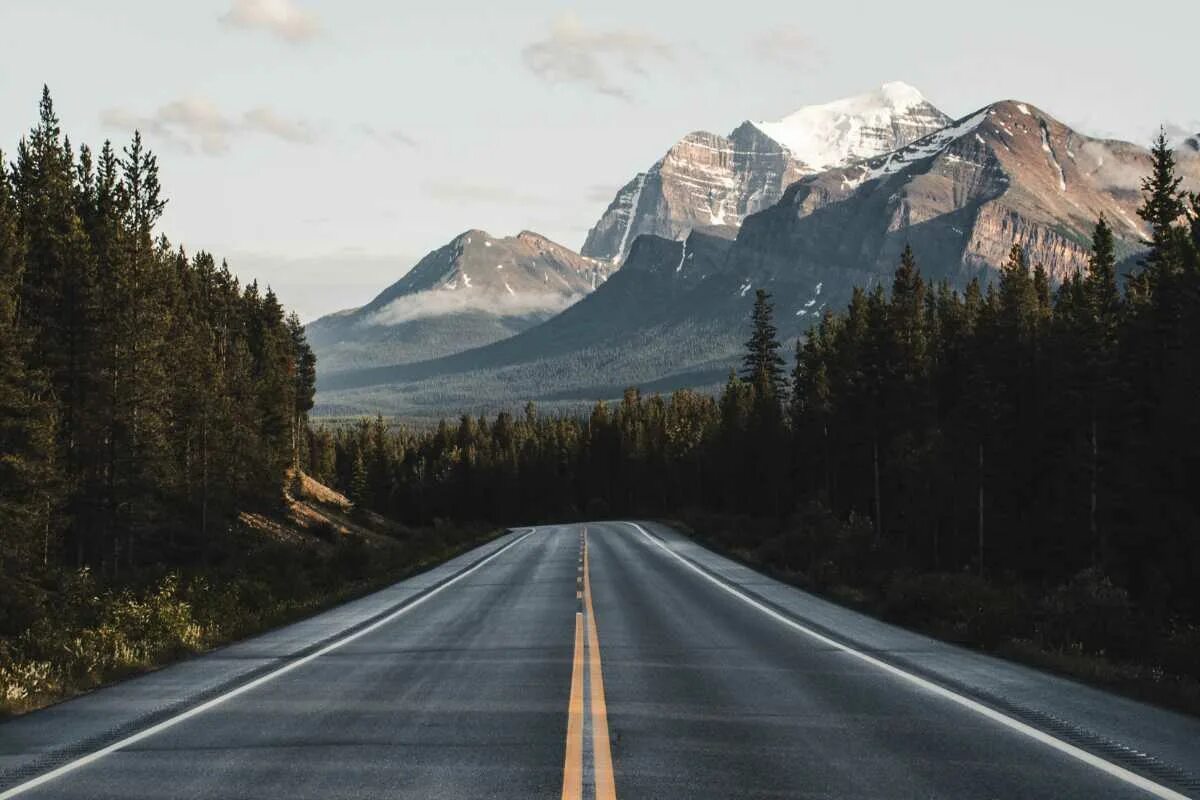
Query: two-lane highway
573, 662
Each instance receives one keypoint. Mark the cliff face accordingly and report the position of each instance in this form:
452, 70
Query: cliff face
1008, 174
711, 183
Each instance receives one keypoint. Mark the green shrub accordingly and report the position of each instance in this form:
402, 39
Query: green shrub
85, 634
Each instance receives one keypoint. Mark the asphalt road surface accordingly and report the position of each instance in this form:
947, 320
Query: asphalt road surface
608, 660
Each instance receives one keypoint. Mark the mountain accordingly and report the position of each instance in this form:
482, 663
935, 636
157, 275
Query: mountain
711, 183
664, 320
1006, 174
676, 313
475, 290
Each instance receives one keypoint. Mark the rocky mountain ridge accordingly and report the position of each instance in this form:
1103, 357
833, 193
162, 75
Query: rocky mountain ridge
472, 291
675, 314
1006, 174
711, 183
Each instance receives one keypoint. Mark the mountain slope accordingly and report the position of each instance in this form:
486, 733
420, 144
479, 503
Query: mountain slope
475, 290
668, 318
1007, 174
712, 183
676, 313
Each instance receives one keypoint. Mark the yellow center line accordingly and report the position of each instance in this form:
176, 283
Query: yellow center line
573, 763
605, 785
601, 748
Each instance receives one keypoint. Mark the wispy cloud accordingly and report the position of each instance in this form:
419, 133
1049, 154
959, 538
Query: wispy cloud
1179, 133
791, 48
282, 18
451, 191
264, 120
601, 61
198, 125
440, 302
392, 138
1113, 167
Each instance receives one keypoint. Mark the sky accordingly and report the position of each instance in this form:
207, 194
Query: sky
324, 146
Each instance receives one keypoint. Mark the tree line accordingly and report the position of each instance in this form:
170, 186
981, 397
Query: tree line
145, 394
1015, 430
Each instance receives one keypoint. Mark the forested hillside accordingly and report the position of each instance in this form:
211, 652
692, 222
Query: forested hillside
152, 414
1013, 463
145, 393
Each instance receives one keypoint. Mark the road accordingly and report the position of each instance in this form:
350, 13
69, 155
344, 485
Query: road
608, 660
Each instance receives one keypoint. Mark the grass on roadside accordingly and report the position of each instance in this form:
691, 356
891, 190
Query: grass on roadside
277, 569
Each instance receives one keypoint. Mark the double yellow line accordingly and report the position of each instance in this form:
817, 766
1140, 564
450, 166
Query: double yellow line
587, 660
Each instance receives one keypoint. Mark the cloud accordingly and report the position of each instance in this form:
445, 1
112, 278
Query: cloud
279, 17
598, 60
440, 302
198, 125
451, 191
264, 120
1121, 167
788, 47
388, 138
1111, 166
1177, 133
1185, 139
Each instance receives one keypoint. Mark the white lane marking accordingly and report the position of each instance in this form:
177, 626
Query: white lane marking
1116, 771
83, 761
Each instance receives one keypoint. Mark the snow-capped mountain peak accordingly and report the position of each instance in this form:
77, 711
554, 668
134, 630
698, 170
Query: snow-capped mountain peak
712, 182
854, 128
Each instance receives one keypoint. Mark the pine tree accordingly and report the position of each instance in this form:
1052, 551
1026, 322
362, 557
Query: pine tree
57, 303
906, 352
359, 485
1163, 202
1163, 205
762, 364
305, 382
140, 336
1101, 332
28, 478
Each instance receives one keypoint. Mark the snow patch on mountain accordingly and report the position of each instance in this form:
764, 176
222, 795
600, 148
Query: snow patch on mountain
832, 134
926, 148
633, 207
1062, 176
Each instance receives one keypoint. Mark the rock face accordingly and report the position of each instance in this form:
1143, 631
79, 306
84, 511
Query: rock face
712, 183
471, 292
1007, 174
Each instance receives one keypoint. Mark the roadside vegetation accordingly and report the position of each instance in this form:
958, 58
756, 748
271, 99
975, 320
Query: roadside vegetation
1086, 627
152, 415
1008, 466
316, 551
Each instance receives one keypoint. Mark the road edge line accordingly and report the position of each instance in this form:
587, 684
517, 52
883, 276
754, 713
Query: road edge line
146, 733
1078, 753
